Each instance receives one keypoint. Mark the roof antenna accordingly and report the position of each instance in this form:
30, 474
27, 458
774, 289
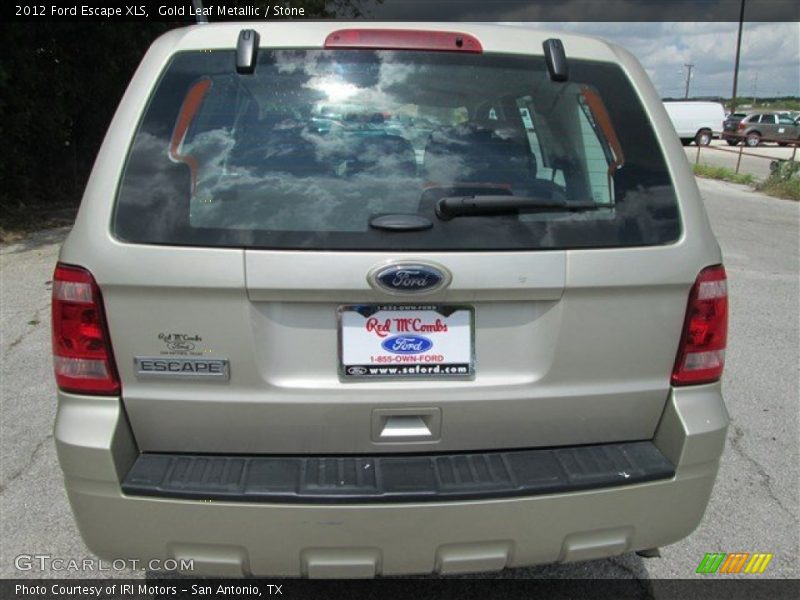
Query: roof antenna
556, 59
200, 16
246, 51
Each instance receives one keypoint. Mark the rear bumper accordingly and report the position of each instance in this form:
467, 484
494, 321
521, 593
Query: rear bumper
96, 451
395, 478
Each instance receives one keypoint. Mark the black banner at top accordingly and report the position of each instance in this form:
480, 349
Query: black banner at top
188, 12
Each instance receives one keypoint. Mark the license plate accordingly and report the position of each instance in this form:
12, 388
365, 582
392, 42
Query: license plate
406, 342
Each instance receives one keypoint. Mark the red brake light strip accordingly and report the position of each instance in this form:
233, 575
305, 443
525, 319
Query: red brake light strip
403, 39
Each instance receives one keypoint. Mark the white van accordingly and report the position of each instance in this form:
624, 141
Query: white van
696, 120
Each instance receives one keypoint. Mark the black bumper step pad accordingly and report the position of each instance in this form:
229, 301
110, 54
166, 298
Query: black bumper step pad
395, 478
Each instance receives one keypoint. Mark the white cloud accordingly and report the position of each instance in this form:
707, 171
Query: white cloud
769, 65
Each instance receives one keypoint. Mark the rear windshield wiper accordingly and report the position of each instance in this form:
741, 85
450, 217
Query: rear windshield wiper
467, 206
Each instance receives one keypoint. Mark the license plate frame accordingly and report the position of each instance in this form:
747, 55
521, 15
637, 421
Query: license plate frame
410, 367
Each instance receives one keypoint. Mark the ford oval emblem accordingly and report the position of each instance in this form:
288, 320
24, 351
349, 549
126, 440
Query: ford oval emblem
410, 278
407, 344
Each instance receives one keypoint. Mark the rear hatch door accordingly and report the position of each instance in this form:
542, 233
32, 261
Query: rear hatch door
256, 203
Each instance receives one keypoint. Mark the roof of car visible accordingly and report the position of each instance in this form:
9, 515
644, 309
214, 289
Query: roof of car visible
292, 34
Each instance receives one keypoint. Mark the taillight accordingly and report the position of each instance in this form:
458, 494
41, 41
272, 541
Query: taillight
403, 39
740, 126
701, 355
82, 355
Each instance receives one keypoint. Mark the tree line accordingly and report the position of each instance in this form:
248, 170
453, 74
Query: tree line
60, 83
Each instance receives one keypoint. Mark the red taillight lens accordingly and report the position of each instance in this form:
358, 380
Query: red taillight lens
740, 126
403, 39
701, 355
82, 355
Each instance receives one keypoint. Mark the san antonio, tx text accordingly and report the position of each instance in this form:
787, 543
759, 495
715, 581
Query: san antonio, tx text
145, 589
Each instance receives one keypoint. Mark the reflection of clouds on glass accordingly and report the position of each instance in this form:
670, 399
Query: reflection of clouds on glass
394, 73
387, 155
333, 148
336, 91
339, 88
626, 221
284, 202
470, 152
357, 103
443, 167
257, 181
287, 61
311, 147
151, 193
210, 149
378, 79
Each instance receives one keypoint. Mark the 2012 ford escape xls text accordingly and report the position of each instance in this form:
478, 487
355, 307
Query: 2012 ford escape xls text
368, 299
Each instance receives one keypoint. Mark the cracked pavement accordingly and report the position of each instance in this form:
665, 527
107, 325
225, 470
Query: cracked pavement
755, 503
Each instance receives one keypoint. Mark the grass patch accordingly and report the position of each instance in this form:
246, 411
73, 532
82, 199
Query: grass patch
782, 189
783, 182
723, 173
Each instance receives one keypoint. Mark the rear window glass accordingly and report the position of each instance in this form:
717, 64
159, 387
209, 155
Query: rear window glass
306, 152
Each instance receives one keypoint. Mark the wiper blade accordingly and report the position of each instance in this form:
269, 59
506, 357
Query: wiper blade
468, 206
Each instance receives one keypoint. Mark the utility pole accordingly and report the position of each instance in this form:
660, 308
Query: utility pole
736, 66
688, 79
755, 88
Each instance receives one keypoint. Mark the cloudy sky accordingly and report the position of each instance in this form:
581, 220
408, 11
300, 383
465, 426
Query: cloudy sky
769, 66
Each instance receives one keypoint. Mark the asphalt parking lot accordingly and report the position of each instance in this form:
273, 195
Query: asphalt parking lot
754, 161
755, 504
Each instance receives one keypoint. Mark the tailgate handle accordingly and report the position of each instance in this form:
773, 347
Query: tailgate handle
406, 424
403, 427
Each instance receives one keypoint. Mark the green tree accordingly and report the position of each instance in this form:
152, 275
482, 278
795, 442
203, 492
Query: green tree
60, 84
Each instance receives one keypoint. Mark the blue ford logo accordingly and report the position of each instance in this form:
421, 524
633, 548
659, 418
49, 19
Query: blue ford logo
410, 278
407, 344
